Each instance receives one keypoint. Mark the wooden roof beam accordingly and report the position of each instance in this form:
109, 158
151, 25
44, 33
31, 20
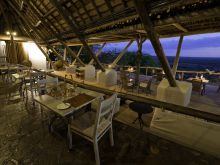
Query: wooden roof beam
78, 54
121, 54
49, 12
108, 3
180, 27
77, 10
125, 3
28, 24
153, 36
8, 23
97, 54
66, 15
176, 61
84, 7
96, 8
53, 33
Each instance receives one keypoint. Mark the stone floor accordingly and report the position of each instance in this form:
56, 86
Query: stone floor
25, 139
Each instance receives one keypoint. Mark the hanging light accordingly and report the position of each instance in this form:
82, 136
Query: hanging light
11, 33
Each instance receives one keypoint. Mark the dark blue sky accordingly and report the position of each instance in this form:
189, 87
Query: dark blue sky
204, 45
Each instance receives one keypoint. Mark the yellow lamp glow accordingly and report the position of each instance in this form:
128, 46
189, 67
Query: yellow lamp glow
8, 33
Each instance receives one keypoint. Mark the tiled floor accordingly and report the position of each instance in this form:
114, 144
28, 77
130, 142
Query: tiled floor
25, 139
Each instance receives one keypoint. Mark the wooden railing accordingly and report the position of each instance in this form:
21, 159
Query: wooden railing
148, 70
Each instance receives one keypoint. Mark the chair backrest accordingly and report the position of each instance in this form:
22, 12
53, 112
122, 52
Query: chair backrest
52, 80
197, 85
180, 77
104, 115
35, 76
14, 87
149, 84
124, 79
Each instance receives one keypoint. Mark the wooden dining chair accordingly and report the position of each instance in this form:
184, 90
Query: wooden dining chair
32, 84
93, 125
197, 86
13, 90
125, 83
146, 86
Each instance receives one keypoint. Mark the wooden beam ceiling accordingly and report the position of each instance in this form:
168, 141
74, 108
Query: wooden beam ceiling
69, 19
108, 3
27, 23
96, 8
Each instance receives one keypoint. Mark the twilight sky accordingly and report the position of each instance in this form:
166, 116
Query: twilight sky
204, 45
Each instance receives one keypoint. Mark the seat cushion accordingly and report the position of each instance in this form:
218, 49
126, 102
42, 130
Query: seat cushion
85, 124
143, 85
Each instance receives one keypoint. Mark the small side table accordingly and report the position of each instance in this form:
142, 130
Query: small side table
141, 108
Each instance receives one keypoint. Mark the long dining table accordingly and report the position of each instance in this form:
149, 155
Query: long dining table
51, 103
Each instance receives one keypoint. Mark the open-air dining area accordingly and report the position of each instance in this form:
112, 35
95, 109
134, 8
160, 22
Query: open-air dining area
68, 96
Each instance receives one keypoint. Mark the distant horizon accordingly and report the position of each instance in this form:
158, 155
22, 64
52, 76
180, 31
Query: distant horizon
202, 45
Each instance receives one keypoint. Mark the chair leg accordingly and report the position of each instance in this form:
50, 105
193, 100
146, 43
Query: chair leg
41, 111
96, 150
69, 136
111, 136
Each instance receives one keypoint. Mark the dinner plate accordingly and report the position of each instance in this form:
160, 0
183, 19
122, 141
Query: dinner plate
63, 106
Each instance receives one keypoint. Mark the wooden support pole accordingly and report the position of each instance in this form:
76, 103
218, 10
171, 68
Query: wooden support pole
59, 56
97, 54
121, 54
13, 49
139, 41
148, 26
64, 54
176, 61
78, 54
79, 34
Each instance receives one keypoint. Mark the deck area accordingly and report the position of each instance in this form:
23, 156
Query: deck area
25, 139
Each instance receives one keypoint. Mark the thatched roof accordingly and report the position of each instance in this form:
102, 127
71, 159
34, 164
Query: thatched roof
101, 21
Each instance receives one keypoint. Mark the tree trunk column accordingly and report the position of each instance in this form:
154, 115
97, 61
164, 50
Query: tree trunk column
138, 63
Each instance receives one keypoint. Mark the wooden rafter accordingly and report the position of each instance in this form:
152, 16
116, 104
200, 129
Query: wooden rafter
153, 36
62, 42
180, 27
9, 26
176, 61
38, 11
33, 38
28, 24
108, 3
78, 54
77, 10
66, 15
96, 8
97, 54
49, 12
125, 3
121, 54
84, 7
